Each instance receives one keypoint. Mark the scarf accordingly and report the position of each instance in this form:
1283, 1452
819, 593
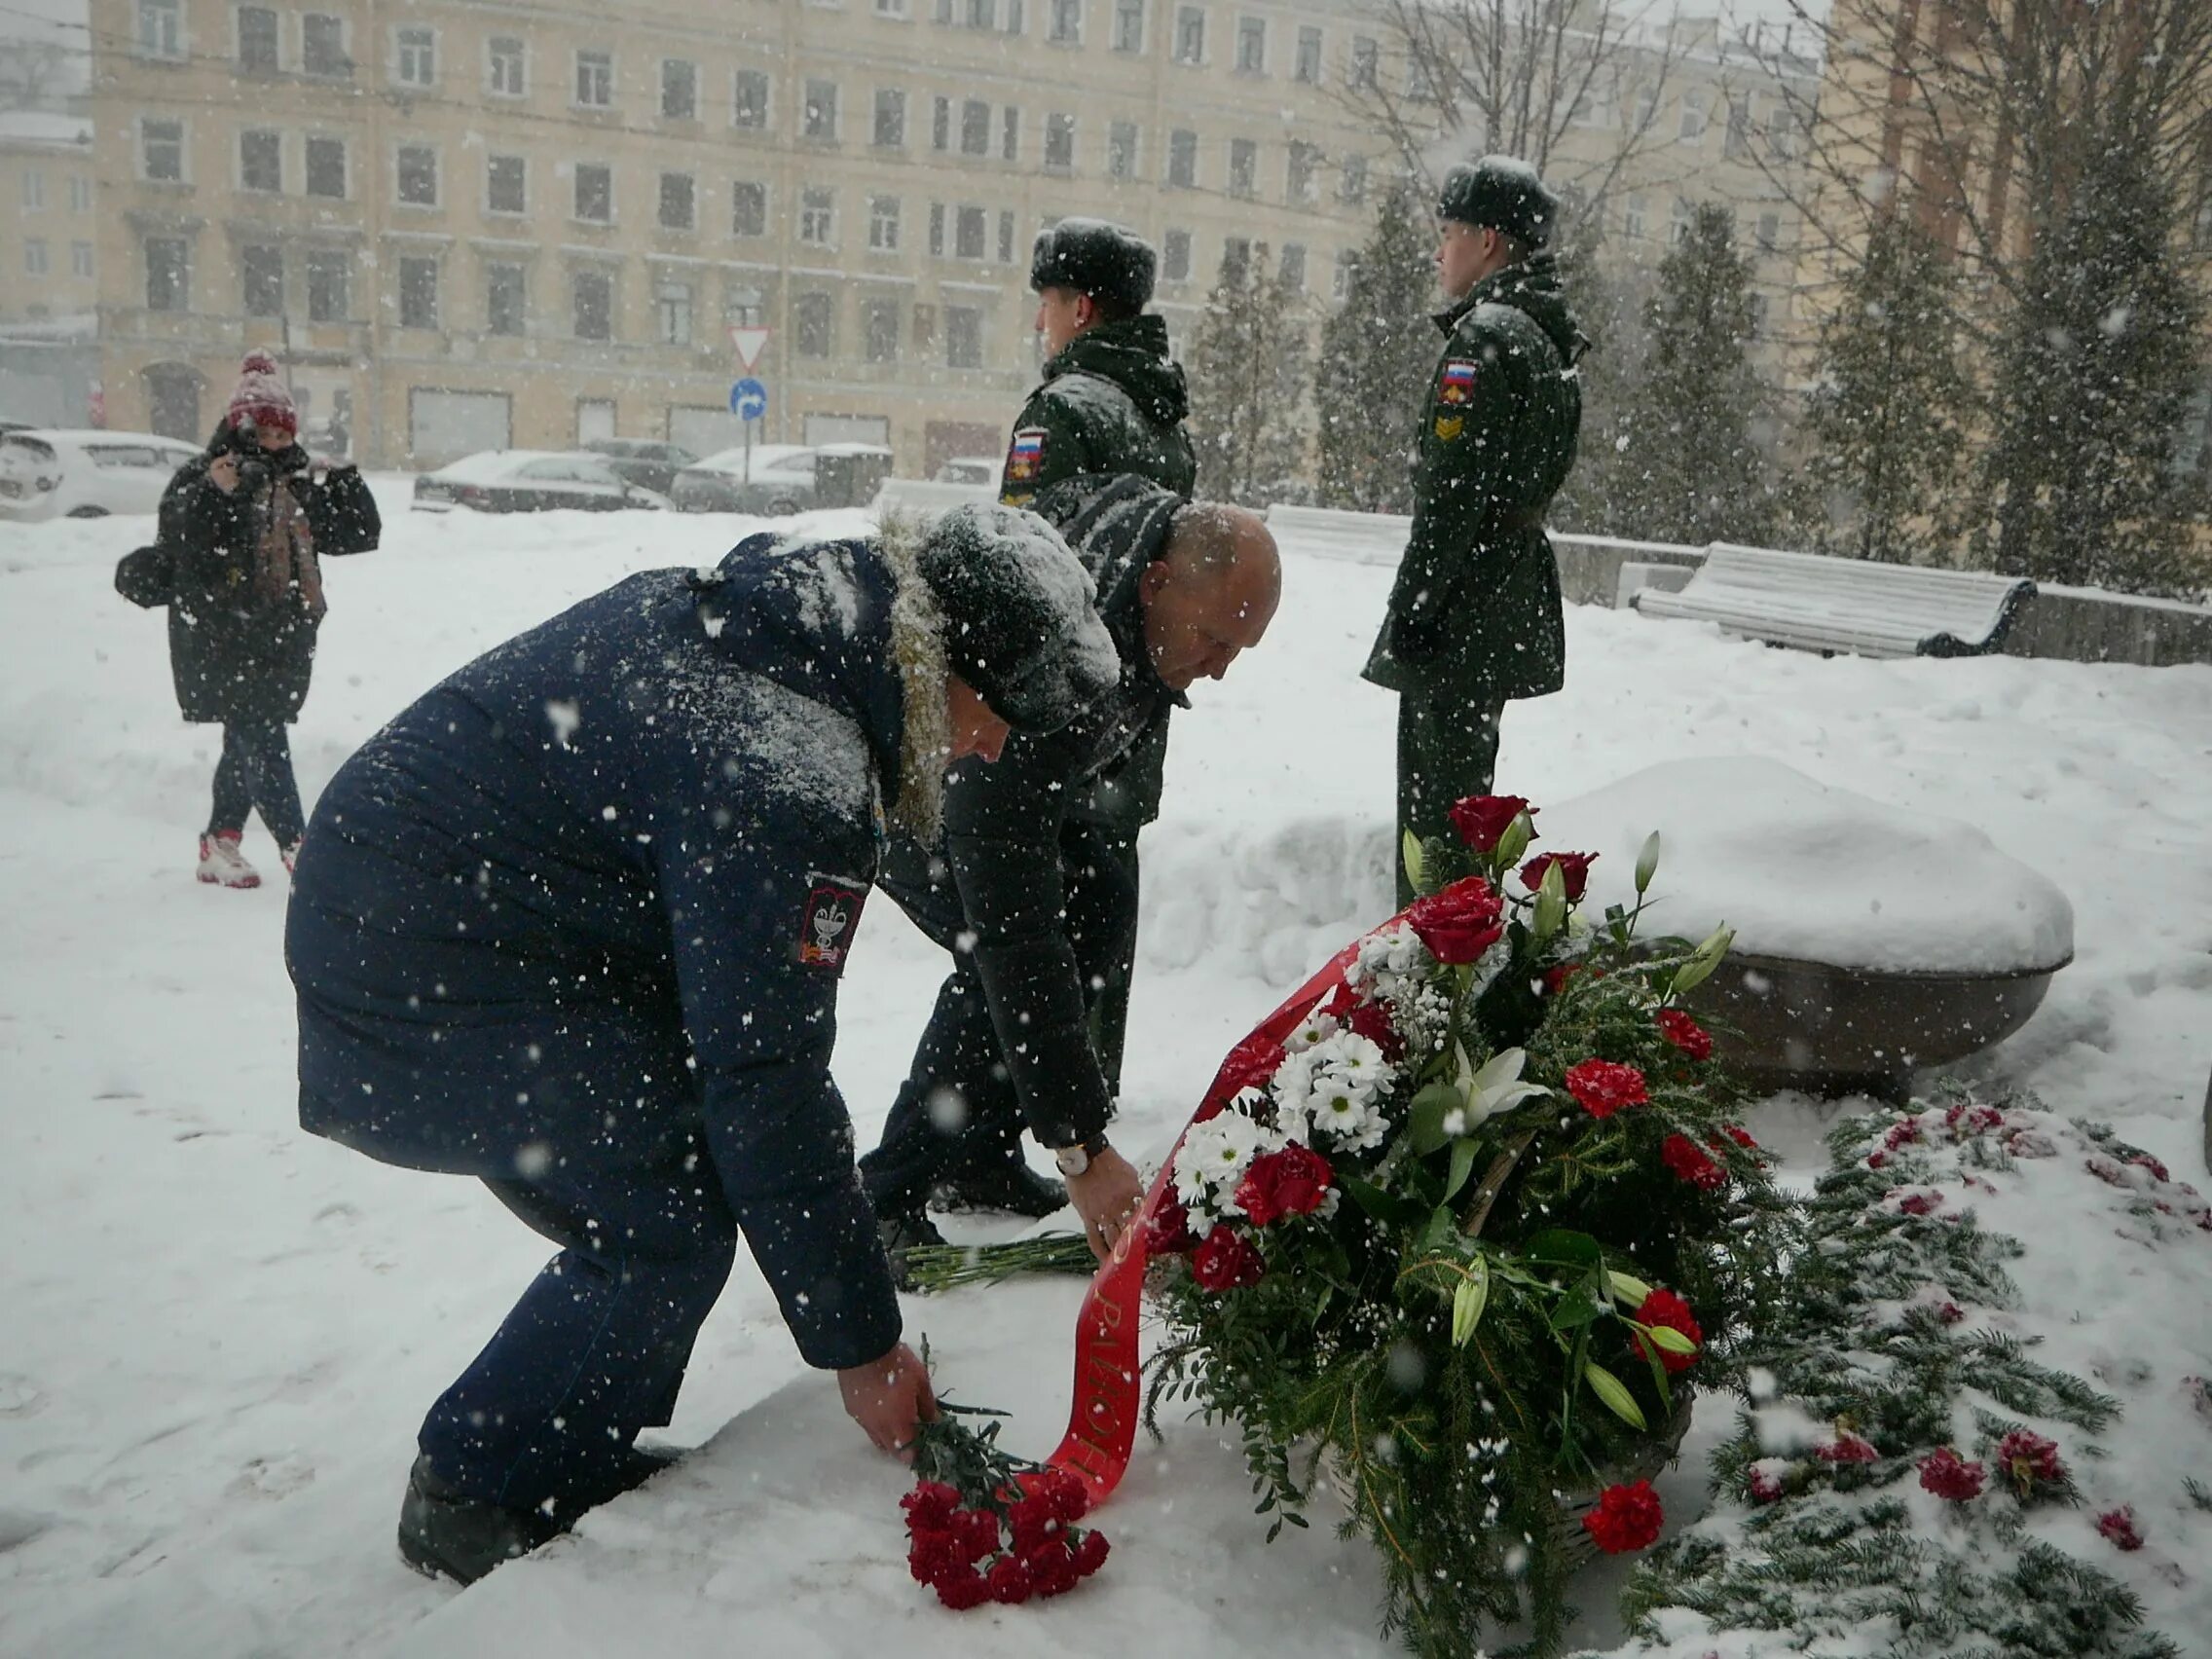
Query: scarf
283, 558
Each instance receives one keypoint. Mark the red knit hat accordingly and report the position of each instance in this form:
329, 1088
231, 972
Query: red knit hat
262, 398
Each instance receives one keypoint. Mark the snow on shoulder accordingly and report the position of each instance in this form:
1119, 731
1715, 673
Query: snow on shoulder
1806, 871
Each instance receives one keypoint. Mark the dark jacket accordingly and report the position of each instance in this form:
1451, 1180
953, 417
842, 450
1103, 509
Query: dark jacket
1475, 612
1002, 823
1112, 401
590, 897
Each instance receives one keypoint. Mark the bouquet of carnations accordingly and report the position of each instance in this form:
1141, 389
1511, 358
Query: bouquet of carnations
985, 1526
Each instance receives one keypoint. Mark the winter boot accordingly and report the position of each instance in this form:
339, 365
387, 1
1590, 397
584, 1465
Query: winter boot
463, 1538
222, 863
902, 1231
1006, 1185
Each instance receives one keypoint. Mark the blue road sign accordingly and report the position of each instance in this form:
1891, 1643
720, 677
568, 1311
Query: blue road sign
748, 399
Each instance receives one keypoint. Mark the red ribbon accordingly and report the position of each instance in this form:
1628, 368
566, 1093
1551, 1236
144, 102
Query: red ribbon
1103, 1422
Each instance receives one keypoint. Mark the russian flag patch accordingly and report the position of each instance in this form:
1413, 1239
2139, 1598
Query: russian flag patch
1457, 384
1026, 459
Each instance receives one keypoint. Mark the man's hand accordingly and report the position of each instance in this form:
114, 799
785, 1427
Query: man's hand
887, 1397
1106, 1196
223, 472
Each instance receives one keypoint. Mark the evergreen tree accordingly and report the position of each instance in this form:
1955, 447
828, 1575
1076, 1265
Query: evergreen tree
2093, 383
1378, 352
1884, 417
1251, 376
1689, 468
1607, 296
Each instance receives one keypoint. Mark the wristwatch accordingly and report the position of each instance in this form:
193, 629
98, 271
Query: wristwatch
1074, 1159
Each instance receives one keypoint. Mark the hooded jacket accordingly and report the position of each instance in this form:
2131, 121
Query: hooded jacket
1112, 401
591, 898
1475, 611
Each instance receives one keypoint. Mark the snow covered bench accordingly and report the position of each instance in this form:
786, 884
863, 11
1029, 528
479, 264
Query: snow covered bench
1820, 604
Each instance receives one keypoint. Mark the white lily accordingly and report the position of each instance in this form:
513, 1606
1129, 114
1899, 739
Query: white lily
1494, 1087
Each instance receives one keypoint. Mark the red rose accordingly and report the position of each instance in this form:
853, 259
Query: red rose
929, 1506
967, 1588
1949, 1476
1627, 1518
1573, 871
1680, 1029
1294, 1181
1459, 923
1251, 1064
1371, 1020
1090, 1553
2119, 1524
2029, 1458
1168, 1232
1847, 1449
1691, 1163
1008, 1580
1665, 1307
1605, 1088
1224, 1260
1482, 819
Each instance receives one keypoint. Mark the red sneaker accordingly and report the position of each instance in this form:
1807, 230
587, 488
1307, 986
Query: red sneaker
222, 863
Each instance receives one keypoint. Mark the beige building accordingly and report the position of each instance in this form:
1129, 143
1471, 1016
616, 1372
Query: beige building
49, 239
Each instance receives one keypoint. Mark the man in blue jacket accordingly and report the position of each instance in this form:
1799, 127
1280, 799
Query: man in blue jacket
573, 923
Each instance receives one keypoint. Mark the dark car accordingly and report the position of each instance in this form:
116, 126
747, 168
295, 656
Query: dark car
643, 463
530, 481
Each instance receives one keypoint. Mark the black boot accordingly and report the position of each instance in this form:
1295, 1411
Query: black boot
902, 1231
463, 1538
1006, 1185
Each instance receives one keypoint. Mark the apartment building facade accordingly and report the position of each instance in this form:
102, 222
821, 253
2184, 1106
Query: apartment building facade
49, 270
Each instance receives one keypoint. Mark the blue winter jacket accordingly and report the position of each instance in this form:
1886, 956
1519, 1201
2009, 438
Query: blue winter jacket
590, 897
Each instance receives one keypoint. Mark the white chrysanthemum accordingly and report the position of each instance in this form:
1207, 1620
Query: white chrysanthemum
1316, 1028
1214, 1158
1390, 964
1346, 1114
1354, 1063
1293, 1083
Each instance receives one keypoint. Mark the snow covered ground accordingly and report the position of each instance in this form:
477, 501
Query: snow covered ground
219, 1334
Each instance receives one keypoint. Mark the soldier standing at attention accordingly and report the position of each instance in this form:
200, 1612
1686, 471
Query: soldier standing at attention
1474, 619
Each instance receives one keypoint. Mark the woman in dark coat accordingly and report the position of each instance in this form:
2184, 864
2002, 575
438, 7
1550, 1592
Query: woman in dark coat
242, 524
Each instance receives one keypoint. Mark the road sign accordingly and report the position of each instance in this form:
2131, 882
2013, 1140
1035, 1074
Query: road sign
749, 343
748, 399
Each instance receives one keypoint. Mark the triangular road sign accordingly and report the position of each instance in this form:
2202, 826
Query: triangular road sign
749, 343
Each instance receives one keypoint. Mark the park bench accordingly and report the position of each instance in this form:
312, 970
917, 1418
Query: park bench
1820, 604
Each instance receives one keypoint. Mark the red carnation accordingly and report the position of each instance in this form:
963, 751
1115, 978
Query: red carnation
1740, 1135
962, 1589
933, 1555
1847, 1448
1371, 1020
1556, 977
1032, 1523
2029, 1458
1224, 1260
1605, 1088
1483, 819
1066, 1494
1459, 923
1052, 1569
1573, 871
1685, 1033
2119, 1524
1689, 1162
1168, 1232
1294, 1181
974, 1533
1949, 1476
1090, 1553
1921, 1203
1627, 1518
929, 1506
1665, 1307
1765, 1485
1008, 1580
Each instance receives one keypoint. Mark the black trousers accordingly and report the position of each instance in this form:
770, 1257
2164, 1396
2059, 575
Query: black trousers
1447, 750
255, 775
958, 1110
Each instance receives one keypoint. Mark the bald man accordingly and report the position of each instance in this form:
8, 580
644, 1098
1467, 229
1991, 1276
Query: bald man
1030, 897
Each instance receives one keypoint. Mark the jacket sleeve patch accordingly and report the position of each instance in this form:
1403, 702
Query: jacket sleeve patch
1026, 459
828, 920
1450, 426
1456, 383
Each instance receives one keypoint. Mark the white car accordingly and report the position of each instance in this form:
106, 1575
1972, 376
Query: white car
969, 469
53, 472
531, 481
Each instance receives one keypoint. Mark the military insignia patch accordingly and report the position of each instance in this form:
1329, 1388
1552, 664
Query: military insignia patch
1026, 459
1450, 426
1457, 384
831, 917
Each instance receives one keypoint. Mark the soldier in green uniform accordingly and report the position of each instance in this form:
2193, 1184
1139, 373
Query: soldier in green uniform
1474, 618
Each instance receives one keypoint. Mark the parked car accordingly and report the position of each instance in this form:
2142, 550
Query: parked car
648, 465
969, 469
54, 472
778, 479
530, 481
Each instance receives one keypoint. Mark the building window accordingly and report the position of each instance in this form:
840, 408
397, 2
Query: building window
810, 325
34, 189
1307, 68
1235, 258
1006, 236
1365, 56
1243, 166
1128, 25
261, 162
1351, 183
160, 28
672, 312
1183, 160
937, 230
262, 281
822, 111
679, 211
80, 259
80, 193
1736, 144
1189, 35
747, 210
941, 124
323, 47
892, 8
975, 128
418, 293
882, 319
970, 228
1176, 256
326, 167
169, 278
160, 149
818, 217
749, 94
1251, 45
1067, 23
1769, 232
505, 54
962, 336
678, 90
593, 296
1634, 223
1059, 142
1692, 128
1009, 133
595, 193
506, 298
1121, 150
890, 119
595, 80
329, 282
506, 184
1294, 267
257, 40
418, 175
417, 59
34, 257
1303, 168
1340, 281
883, 223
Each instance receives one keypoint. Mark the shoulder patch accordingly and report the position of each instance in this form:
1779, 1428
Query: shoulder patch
1450, 426
830, 918
1456, 380
1025, 457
